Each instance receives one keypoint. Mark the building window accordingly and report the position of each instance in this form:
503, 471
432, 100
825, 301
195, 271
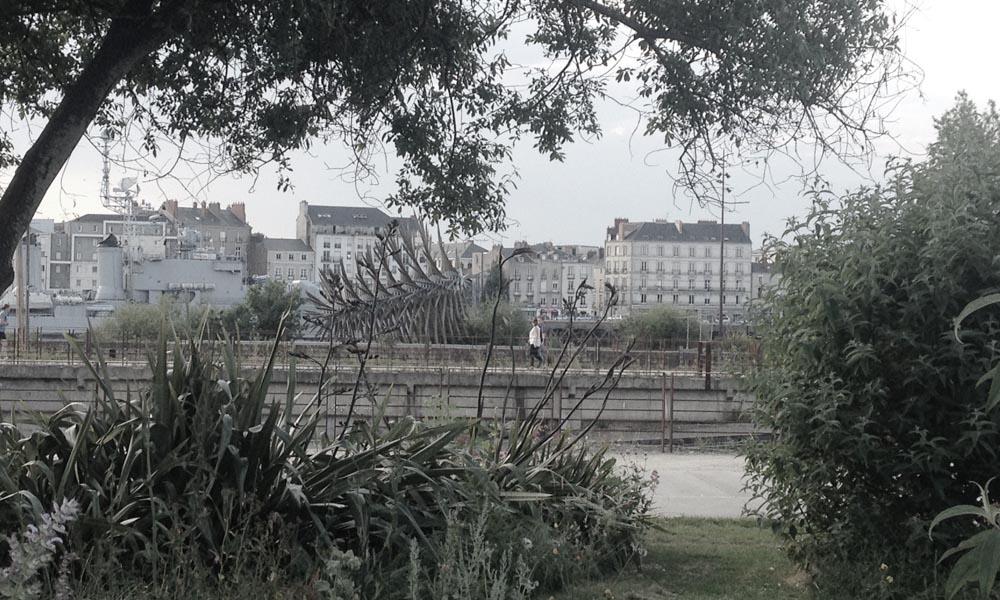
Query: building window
555, 286
326, 244
642, 266
737, 299
93, 269
739, 252
708, 299
336, 244
659, 250
291, 273
708, 284
708, 252
691, 251
326, 256
78, 283
690, 298
659, 298
303, 274
677, 251
691, 267
277, 256
642, 298
675, 298
304, 257
530, 284
222, 236
643, 249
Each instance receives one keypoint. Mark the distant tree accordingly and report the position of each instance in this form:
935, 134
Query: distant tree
258, 79
512, 324
494, 281
261, 311
654, 326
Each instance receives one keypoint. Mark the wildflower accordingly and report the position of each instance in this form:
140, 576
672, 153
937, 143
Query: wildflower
888, 579
527, 543
883, 567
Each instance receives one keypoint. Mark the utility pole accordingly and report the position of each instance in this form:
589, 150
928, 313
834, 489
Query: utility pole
722, 248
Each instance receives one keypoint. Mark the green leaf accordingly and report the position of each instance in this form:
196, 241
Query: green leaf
971, 307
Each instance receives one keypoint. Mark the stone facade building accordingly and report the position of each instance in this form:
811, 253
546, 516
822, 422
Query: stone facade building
209, 228
288, 259
341, 233
678, 264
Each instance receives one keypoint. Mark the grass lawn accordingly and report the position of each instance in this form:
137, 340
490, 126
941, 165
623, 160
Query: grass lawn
704, 559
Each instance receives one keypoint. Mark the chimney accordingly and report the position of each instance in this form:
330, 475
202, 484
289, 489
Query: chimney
170, 208
239, 210
214, 207
745, 226
620, 228
204, 209
680, 226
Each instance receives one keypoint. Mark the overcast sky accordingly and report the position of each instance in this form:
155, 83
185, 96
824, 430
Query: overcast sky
953, 42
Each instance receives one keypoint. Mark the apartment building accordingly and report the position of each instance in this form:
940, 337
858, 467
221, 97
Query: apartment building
685, 265
541, 280
209, 228
288, 259
342, 233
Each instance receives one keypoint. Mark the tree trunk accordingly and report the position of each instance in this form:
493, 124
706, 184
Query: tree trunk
126, 43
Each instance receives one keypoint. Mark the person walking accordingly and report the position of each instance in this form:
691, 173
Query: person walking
535, 343
4, 314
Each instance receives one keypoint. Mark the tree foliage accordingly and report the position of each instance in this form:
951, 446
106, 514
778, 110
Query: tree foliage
880, 415
261, 312
655, 326
512, 324
433, 81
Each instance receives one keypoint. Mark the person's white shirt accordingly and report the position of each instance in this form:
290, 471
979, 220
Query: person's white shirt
535, 336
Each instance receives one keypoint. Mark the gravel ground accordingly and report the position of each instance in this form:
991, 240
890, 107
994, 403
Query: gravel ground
694, 485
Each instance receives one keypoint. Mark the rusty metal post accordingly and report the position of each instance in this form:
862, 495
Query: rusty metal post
670, 415
708, 366
663, 412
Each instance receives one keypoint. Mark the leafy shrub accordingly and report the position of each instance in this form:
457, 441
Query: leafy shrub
654, 326
512, 324
878, 413
143, 322
262, 311
33, 553
200, 479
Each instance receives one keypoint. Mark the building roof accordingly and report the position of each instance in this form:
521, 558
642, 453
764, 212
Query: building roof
191, 216
466, 249
343, 216
702, 231
97, 218
285, 245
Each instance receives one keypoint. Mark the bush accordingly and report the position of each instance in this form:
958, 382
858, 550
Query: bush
879, 419
200, 479
655, 326
512, 324
262, 311
142, 322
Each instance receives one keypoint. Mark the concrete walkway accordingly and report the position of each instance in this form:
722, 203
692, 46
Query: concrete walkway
694, 485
